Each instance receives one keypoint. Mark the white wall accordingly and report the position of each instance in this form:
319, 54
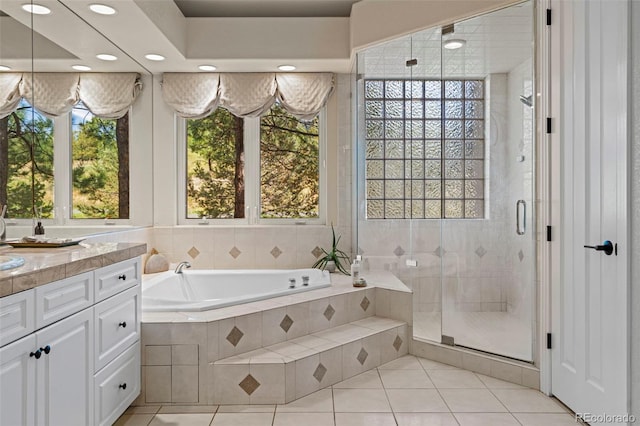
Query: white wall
635, 209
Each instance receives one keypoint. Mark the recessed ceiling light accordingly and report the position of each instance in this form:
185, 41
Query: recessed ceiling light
454, 43
36, 9
106, 57
154, 57
81, 67
286, 67
102, 9
207, 67
5, 68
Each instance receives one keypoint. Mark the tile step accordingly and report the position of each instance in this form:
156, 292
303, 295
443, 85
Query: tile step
289, 370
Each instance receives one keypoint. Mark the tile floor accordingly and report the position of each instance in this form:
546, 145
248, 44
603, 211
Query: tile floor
409, 391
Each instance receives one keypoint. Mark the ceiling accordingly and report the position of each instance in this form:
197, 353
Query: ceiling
264, 8
259, 35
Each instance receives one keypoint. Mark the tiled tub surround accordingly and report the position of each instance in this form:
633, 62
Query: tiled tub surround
43, 266
274, 350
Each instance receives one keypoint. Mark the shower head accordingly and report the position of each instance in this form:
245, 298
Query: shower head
527, 100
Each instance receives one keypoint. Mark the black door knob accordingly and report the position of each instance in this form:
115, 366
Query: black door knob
123, 386
122, 277
123, 324
606, 247
46, 349
37, 354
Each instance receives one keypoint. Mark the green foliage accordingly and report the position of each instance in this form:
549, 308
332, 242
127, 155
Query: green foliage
335, 255
30, 163
211, 166
95, 169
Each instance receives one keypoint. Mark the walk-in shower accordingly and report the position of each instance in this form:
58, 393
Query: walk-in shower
446, 177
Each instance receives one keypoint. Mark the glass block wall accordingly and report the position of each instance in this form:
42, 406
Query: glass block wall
424, 149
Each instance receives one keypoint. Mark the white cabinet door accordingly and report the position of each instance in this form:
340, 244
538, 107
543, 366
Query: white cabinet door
18, 383
65, 374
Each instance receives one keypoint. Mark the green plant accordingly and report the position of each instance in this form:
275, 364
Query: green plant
336, 255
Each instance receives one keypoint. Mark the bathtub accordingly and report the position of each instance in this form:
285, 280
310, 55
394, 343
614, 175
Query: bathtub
202, 290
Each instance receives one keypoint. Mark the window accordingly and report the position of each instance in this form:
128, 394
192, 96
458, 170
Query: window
256, 169
424, 155
100, 169
26, 163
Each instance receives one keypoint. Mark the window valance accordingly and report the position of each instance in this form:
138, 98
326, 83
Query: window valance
107, 95
196, 95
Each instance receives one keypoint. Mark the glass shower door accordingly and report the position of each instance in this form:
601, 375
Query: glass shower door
487, 233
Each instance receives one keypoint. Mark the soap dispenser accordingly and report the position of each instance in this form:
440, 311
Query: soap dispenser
39, 231
355, 270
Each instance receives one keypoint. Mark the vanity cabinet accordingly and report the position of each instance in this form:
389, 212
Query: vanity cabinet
82, 366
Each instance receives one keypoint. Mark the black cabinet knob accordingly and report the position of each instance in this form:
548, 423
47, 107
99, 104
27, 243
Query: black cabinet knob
123, 386
37, 354
606, 247
46, 349
122, 277
123, 324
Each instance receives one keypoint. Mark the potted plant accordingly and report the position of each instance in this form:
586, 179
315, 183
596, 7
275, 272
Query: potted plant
333, 259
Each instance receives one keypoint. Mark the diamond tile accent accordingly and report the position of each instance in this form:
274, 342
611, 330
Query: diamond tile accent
399, 251
234, 336
365, 303
397, 343
481, 251
316, 252
520, 255
362, 356
328, 313
275, 252
321, 370
286, 323
439, 251
235, 252
193, 252
249, 384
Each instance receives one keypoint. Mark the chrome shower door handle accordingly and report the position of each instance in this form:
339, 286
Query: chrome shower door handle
521, 226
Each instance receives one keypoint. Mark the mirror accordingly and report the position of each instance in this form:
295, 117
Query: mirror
90, 161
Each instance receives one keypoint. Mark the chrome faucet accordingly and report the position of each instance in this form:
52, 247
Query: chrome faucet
181, 266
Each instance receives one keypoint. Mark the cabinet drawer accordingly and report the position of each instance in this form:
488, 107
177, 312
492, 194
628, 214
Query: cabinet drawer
117, 277
16, 316
63, 298
117, 385
117, 325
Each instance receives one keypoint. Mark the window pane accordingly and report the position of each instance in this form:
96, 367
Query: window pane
215, 166
26, 160
289, 166
100, 155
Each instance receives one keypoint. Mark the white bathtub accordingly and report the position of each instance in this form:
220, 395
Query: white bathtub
202, 290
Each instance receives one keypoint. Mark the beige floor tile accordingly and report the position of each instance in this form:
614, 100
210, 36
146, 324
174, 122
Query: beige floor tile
181, 419
183, 409
416, 401
367, 380
244, 419
426, 419
543, 419
405, 379
493, 383
486, 419
472, 401
143, 409
317, 402
134, 420
427, 364
407, 362
246, 409
365, 419
455, 379
307, 419
527, 401
360, 401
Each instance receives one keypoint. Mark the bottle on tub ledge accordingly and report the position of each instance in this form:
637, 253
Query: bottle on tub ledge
356, 279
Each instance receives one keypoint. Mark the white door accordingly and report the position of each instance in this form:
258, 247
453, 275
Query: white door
64, 373
18, 383
590, 363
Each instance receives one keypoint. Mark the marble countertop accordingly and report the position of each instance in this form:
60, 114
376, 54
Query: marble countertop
43, 265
